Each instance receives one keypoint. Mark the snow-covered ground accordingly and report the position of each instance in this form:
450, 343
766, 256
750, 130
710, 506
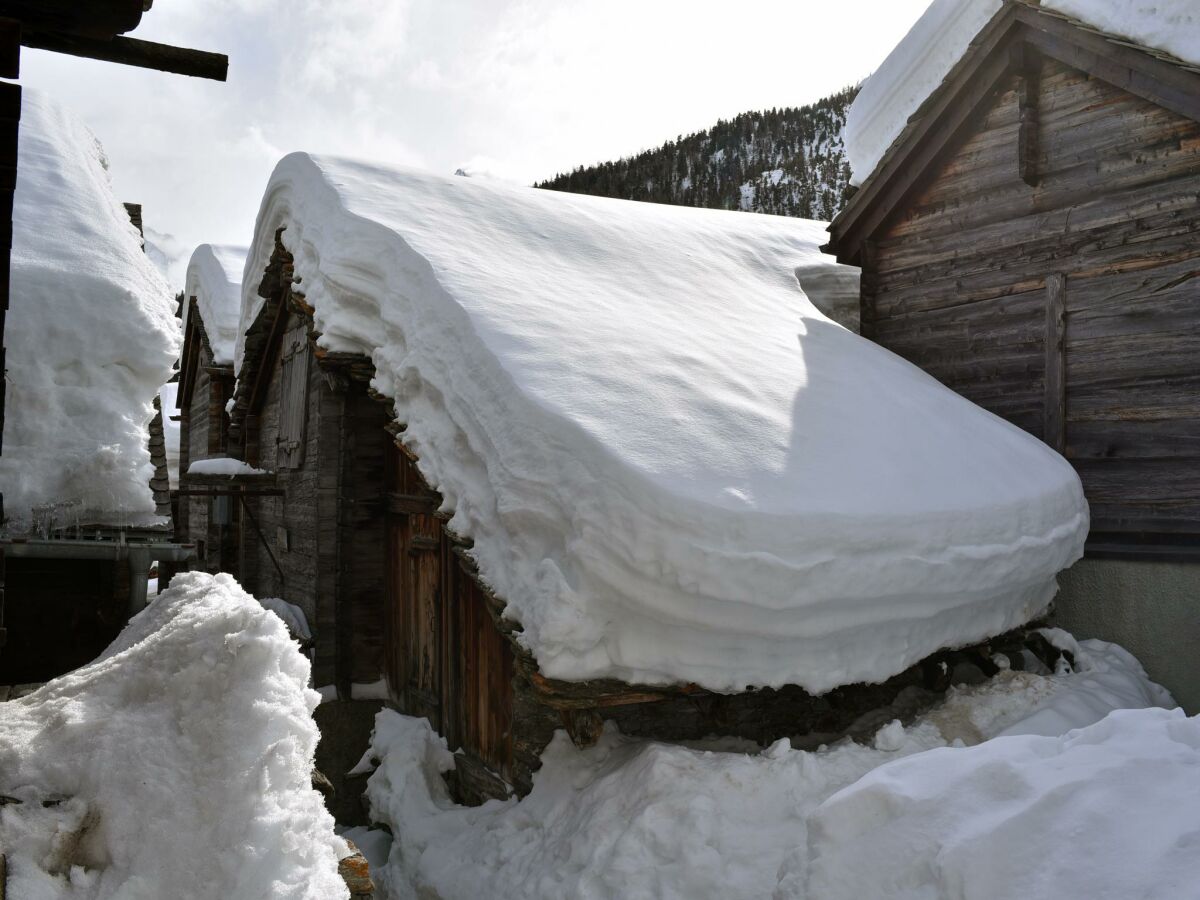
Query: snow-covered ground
631, 818
923, 58
177, 765
672, 465
214, 278
91, 334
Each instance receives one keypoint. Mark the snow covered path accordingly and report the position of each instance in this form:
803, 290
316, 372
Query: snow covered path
177, 765
632, 818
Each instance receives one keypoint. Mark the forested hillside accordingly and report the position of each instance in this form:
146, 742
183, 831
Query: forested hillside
785, 161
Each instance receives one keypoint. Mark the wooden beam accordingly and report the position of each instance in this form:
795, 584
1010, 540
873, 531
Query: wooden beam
133, 52
1028, 65
1140, 73
10, 48
100, 19
1054, 410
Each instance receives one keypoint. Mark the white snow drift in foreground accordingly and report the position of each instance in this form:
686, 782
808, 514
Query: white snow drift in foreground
925, 56
91, 334
673, 467
182, 758
1112, 810
214, 278
636, 819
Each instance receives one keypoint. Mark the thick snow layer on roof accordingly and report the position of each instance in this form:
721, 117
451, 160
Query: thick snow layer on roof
181, 761
90, 335
673, 467
214, 278
1119, 803
923, 58
635, 818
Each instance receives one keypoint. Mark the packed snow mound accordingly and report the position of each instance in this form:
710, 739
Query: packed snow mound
925, 56
214, 278
182, 758
1119, 803
167, 395
673, 467
91, 333
223, 465
631, 818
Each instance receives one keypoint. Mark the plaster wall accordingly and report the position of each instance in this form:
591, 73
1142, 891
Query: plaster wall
1152, 609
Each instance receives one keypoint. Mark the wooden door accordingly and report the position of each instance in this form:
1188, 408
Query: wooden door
414, 615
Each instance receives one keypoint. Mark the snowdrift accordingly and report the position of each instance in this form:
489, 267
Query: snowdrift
631, 818
925, 56
214, 278
91, 334
1119, 803
673, 467
178, 764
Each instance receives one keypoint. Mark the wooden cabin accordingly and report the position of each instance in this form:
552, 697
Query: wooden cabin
1030, 240
210, 314
347, 528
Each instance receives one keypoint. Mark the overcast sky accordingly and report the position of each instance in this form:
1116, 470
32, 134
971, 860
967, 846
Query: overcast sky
519, 89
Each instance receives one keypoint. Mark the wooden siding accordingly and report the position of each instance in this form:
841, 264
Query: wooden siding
446, 658
283, 553
1081, 290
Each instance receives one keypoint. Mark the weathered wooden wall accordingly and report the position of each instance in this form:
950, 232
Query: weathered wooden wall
1070, 306
203, 434
282, 553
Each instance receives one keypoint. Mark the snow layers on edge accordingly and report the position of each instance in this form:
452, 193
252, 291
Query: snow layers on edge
630, 818
940, 38
91, 334
183, 759
214, 278
673, 467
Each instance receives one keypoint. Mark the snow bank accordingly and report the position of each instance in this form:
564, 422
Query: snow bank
223, 465
167, 395
91, 333
630, 818
182, 758
214, 278
673, 467
1119, 803
925, 56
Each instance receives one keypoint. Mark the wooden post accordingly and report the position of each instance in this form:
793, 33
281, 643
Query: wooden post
1027, 63
867, 281
1055, 418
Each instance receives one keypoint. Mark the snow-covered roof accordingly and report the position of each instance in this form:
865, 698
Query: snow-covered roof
925, 56
91, 333
214, 278
673, 467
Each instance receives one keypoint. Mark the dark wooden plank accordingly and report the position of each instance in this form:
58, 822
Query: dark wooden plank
10, 48
1054, 432
134, 52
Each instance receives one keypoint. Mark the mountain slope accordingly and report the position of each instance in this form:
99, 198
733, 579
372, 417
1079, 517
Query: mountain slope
787, 161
